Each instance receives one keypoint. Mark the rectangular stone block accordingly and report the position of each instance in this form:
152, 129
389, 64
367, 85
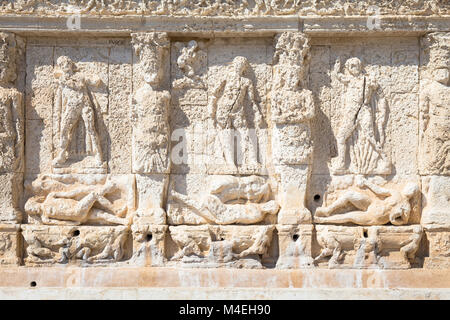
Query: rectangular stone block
218, 246
438, 248
378, 247
10, 245
76, 245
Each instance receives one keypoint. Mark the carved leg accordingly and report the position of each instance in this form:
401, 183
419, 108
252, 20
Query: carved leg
100, 216
359, 200
67, 125
88, 118
356, 217
345, 131
226, 138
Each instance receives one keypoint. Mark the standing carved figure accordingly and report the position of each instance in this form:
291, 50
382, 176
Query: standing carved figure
150, 107
435, 121
358, 117
74, 101
228, 113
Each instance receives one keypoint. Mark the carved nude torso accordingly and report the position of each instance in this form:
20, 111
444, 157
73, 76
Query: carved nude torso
151, 129
230, 106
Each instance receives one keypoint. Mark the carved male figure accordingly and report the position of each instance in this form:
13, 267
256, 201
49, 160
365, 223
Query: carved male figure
435, 118
150, 108
77, 207
74, 102
228, 113
394, 208
233, 200
356, 110
187, 58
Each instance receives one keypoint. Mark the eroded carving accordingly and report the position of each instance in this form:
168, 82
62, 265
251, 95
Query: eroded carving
373, 247
150, 106
232, 200
84, 245
76, 200
74, 101
225, 8
11, 107
228, 114
292, 111
364, 110
384, 206
214, 246
149, 245
434, 106
10, 246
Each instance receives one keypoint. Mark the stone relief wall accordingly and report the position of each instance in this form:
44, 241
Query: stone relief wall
280, 150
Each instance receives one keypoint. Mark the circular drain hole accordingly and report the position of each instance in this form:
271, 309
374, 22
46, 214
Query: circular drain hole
76, 233
295, 237
149, 237
33, 284
317, 197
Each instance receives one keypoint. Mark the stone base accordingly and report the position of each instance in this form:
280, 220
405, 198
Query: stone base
376, 247
167, 283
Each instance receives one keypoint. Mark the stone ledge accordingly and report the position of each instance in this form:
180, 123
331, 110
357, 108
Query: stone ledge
224, 26
222, 294
139, 278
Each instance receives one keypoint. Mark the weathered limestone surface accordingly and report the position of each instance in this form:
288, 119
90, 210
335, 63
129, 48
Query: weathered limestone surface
168, 137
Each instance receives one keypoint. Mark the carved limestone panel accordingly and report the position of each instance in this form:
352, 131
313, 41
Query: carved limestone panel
295, 246
10, 244
73, 199
292, 109
228, 142
439, 248
238, 8
150, 104
434, 152
435, 200
220, 95
221, 199
219, 246
387, 247
149, 245
12, 132
49, 245
366, 92
74, 98
364, 202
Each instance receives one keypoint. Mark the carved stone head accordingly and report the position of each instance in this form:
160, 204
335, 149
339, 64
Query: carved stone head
65, 66
353, 66
240, 64
152, 49
292, 48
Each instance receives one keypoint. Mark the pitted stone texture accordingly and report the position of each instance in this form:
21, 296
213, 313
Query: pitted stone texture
50, 245
10, 245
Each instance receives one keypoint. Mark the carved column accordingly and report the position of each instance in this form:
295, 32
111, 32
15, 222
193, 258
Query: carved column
11, 127
150, 118
434, 145
292, 109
